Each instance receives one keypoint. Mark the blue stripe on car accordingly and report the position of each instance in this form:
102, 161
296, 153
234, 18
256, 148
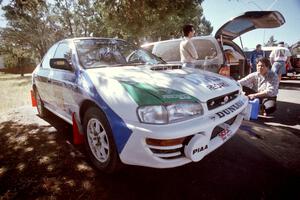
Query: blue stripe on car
121, 132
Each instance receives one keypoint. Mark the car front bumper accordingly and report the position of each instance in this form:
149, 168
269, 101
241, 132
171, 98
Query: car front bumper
202, 135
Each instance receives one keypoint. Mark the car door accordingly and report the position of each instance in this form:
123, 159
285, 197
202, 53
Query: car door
42, 78
64, 83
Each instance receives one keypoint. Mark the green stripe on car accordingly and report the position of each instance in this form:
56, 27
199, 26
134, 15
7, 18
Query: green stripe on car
146, 94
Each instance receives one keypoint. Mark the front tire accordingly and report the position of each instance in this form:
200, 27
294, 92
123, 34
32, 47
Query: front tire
99, 141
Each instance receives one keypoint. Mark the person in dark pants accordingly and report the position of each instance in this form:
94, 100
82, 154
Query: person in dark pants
255, 55
262, 84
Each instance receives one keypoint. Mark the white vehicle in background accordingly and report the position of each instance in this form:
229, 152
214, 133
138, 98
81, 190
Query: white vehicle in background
220, 54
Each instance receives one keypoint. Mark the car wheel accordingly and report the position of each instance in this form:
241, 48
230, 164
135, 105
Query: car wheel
99, 141
43, 112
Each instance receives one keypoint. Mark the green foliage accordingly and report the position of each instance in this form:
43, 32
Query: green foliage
34, 25
151, 19
31, 29
10, 61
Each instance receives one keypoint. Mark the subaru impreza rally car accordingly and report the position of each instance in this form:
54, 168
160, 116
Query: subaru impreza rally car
132, 107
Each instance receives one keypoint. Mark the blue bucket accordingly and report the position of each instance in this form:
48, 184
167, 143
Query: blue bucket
254, 108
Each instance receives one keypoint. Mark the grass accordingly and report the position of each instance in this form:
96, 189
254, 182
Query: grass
14, 91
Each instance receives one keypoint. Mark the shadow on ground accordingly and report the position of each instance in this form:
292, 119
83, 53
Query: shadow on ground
287, 116
39, 161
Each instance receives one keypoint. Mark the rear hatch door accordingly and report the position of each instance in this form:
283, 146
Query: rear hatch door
249, 21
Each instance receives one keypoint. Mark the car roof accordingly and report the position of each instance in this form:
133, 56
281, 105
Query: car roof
89, 38
270, 48
207, 37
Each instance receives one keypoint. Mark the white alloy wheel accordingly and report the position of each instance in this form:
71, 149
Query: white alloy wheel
98, 140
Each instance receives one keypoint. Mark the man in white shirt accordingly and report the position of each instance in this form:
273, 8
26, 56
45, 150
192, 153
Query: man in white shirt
279, 57
188, 53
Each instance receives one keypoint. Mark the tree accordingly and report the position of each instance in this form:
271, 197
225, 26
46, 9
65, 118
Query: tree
30, 31
78, 18
34, 25
135, 20
271, 42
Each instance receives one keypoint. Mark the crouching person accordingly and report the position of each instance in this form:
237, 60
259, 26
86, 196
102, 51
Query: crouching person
262, 84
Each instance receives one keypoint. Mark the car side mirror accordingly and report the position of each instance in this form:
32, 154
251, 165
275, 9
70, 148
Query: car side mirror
60, 63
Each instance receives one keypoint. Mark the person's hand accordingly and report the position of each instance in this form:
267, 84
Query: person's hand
251, 96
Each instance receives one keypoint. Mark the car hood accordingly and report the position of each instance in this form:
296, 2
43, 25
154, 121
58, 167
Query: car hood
164, 79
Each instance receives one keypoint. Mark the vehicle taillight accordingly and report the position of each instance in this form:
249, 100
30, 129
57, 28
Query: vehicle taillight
225, 70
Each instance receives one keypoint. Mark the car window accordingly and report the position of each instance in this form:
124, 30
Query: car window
296, 51
206, 49
170, 51
238, 25
48, 56
110, 52
148, 47
63, 51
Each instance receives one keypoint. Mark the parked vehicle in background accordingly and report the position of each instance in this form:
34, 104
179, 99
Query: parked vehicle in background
220, 54
295, 59
132, 107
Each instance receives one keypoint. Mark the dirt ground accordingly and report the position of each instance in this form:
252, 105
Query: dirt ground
39, 161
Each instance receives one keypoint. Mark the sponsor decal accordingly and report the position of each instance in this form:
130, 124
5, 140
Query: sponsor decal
230, 109
211, 82
214, 83
198, 150
216, 86
225, 134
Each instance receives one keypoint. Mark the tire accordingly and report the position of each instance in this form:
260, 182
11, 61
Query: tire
43, 112
99, 142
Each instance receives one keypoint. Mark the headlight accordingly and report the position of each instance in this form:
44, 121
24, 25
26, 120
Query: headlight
163, 114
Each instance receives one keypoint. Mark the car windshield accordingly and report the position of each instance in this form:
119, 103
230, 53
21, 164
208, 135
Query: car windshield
95, 53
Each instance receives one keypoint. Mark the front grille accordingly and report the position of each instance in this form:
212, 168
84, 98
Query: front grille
219, 129
221, 100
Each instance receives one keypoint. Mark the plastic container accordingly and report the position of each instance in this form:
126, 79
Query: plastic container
254, 108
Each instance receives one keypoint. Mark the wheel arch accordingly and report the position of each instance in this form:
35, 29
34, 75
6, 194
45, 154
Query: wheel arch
120, 131
84, 106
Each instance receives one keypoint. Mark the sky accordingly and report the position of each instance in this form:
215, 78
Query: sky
219, 12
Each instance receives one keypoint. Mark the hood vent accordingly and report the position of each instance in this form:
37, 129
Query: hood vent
166, 67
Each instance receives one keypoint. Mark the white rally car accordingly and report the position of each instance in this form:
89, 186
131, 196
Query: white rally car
132, 107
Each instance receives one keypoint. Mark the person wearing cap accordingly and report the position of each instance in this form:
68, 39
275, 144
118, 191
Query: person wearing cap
255, 55
263, 85
188, 53
279, 57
